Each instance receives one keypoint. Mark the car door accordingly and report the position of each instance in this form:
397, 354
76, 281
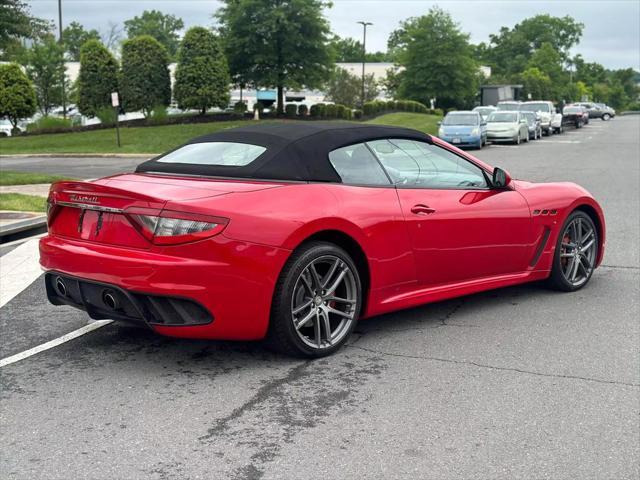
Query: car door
459, 228
524, 126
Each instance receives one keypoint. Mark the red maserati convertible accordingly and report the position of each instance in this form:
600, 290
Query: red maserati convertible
293, 231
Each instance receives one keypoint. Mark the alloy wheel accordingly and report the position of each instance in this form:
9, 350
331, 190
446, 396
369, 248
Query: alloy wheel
324, 302
578, 251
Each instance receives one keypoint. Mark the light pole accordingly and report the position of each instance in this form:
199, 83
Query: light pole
364, 56
64, 70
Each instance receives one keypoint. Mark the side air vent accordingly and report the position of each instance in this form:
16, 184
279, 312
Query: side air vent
545, 212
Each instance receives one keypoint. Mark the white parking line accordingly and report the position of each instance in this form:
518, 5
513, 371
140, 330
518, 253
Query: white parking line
18, 269
55, 342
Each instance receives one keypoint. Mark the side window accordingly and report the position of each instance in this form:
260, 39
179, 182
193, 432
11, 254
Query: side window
416, 164
356, 165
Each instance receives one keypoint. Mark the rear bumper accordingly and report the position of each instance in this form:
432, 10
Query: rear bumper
231, 281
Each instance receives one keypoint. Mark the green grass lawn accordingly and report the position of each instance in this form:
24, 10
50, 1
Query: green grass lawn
8, 177
418, 121
18, 201
162, 138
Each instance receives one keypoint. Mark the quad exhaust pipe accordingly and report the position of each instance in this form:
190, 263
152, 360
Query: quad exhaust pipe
61, 287
110, 299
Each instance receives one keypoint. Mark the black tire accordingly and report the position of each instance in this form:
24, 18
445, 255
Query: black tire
282, 335
606, 117
557, 280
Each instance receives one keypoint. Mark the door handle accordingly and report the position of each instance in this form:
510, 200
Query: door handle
422, 209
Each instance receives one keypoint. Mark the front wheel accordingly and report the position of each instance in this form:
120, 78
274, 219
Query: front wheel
606, 117
316, 303
576, 253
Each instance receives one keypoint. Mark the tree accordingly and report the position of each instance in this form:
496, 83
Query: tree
510, 50
277, 43
145, 74
163, 27
17, 95
45, 68
536, 84
16, 23
438, 61
350, 51
346, 89
202, 74
98, 78
111, 36
74, 36
588, 72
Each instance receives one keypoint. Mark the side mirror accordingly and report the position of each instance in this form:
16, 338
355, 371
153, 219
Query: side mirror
501, 179
439, 123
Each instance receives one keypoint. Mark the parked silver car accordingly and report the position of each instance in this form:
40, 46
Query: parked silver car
507, 126
545, 109
485, 111
535, 127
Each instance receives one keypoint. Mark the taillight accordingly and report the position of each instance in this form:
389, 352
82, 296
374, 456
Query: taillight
170, 228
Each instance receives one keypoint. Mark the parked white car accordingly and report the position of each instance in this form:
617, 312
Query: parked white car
507, 126
6, 127
547, 112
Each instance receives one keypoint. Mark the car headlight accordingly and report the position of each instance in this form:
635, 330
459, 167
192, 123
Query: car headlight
441, 132
475, 131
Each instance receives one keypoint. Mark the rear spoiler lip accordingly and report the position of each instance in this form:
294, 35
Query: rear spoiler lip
89, 189
89, 206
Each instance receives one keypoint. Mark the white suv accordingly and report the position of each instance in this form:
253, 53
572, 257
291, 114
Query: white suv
545, 110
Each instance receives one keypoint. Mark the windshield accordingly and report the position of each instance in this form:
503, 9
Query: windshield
485, 111
461, 119
215, 153
535, 107
502, 117
508, 106
530, 116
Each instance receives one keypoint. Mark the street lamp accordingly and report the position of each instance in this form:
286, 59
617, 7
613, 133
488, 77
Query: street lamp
364, 56
64, 70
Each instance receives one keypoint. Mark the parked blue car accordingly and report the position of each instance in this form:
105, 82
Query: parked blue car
464, 129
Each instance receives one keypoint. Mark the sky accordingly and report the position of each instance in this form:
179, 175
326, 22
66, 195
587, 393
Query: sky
611, 34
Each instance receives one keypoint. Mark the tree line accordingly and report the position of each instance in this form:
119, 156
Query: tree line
289, 45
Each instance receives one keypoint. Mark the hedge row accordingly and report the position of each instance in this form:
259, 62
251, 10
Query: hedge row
379, 106
330, 110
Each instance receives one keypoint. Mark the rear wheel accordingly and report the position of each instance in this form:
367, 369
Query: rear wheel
606, 117
576, 253
316, 303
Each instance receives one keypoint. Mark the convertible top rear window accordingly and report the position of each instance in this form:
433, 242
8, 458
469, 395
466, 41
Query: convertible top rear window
296, 151
215, 153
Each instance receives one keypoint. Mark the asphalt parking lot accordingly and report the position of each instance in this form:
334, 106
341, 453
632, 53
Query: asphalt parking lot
515, 383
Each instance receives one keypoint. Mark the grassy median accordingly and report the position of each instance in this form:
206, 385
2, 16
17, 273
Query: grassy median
25, 203
8, 177
162, 138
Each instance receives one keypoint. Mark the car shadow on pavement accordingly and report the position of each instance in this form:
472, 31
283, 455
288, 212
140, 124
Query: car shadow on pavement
124, 343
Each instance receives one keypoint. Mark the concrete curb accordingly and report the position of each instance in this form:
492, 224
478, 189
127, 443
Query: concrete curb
81, 155
13, 228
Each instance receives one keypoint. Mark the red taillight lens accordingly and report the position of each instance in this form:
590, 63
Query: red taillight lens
170, 228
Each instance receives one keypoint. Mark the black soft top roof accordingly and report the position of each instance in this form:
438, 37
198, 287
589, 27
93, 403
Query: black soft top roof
294, 151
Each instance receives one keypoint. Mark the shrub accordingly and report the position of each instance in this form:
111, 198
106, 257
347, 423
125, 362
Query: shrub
368, 108
302, 110
17, 95
391, 105
357, 114
290, 109
259, 106
145, 74
330, 110
240, 107
107, 115
438, 112
158, 115
98, 78
202, 74
46, 123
